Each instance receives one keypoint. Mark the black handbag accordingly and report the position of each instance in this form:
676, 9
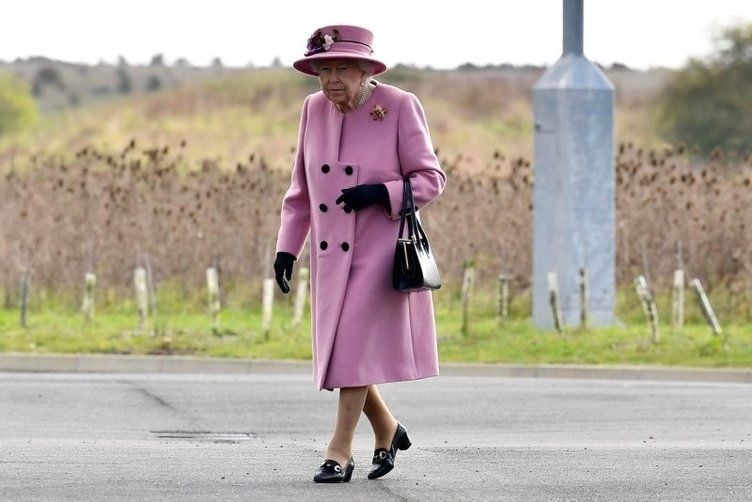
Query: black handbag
415, 267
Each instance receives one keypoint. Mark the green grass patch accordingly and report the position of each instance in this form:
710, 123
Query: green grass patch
183, 326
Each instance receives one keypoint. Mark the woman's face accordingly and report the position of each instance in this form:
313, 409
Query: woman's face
340, 81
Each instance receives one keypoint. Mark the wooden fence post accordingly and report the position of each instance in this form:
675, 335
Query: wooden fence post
267, 300
707, 309
503, 307
152, 288
648, 306
584, 294
300, 296
468, 280
266, 307
553, 298
142, 296
24, 295
677, 301
212, 284
88, 303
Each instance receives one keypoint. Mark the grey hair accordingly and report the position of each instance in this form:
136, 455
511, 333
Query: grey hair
368, 67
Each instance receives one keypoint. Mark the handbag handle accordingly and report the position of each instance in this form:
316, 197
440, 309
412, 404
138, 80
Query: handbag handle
409, 213
406, 197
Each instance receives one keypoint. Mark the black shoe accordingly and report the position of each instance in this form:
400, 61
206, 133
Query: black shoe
331, 472
383, 460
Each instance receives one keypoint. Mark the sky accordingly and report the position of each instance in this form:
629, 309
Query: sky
638, 33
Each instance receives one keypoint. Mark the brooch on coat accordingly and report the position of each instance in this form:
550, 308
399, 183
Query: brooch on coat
378, 112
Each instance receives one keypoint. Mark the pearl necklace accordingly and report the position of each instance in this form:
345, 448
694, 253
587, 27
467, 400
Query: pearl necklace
363, 97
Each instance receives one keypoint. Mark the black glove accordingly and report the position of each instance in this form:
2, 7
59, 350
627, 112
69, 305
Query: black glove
361, 196
283, 270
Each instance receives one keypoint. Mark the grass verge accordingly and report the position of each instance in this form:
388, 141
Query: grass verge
184, 327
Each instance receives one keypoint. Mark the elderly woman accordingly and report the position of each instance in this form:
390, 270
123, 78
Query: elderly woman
358, 140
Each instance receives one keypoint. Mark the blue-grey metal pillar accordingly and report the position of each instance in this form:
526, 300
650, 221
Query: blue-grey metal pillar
573, 199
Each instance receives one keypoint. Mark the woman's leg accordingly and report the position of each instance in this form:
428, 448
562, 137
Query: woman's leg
351, 401
383, 423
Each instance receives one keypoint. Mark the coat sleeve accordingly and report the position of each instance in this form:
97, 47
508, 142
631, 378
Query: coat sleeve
296, 209
417, 159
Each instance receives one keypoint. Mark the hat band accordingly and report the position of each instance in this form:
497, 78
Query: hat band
354, 42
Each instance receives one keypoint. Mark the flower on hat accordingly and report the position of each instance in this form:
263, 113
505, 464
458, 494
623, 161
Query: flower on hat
378, 112
320, 42
328, 41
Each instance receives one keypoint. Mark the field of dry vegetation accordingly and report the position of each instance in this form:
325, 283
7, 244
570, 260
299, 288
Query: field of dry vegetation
194, 177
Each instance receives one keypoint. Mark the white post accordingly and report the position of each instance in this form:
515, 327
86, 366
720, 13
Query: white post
707, 309
641, 287
677, 301
300, 296
88, 303
553, 299
648, 306
468, 279
142, 296
212, 284
266, 307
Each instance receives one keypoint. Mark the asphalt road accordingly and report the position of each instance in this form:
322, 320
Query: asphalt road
261, 436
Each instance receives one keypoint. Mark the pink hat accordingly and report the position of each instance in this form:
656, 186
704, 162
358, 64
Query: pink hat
338, 42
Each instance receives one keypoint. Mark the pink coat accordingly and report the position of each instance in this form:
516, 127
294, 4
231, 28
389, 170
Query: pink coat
363, 331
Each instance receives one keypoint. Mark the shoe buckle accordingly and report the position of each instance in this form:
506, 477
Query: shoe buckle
382, 455
337, 468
